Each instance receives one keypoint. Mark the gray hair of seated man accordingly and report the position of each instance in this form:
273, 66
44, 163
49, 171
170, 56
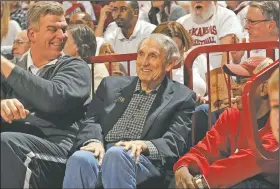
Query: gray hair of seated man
170, 47
270, 10
84, 39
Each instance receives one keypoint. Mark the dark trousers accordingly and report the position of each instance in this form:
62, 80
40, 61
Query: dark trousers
201, 114
28, 161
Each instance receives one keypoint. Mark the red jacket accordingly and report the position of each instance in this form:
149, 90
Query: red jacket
223, 156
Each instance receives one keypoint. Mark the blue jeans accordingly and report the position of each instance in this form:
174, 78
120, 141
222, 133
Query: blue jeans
118, 169
201, 120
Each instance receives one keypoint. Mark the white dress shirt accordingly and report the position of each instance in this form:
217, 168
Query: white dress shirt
122, 45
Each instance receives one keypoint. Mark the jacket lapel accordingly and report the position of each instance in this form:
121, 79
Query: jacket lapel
164, 96
123, 97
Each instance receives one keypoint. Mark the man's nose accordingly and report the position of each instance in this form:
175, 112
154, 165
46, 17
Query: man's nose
61, 34
145, 61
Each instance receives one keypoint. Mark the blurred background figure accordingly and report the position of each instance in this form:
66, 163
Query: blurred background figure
86, 4
17, 13
21, 44
9, 28
81, 43
116, 67
273, 91
184, 42
240, 8
186, 5
162, 11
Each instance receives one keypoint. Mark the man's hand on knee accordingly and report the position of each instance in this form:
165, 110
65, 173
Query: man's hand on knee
137, 147
12, 109
96, 148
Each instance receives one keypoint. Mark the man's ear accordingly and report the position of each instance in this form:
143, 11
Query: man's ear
272, 25
31, 34
171, 65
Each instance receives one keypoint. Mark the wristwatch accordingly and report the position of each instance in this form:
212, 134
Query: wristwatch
200, 182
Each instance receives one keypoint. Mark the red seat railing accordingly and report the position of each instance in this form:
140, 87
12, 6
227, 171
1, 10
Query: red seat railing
193, 53
249, 108
111, 59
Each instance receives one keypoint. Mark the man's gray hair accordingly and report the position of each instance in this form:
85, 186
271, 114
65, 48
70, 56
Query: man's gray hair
42, 8
270, 9
169, 46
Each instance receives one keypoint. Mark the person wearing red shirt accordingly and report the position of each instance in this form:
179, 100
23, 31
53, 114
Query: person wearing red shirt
223, 158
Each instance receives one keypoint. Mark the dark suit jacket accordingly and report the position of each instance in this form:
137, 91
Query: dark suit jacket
168, 123
56, 100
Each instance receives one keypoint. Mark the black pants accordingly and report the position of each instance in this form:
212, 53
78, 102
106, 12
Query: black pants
28, 161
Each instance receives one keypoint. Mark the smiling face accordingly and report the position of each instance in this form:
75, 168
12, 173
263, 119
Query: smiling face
49, 38
151, 65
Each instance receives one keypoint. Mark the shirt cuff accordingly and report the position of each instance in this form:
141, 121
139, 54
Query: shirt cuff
92, 140
154, 155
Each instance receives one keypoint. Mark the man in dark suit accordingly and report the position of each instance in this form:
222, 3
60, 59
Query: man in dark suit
43, 95
143, 123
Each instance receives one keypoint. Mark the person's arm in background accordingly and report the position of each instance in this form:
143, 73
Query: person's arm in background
230, 29
199, 69
105, 11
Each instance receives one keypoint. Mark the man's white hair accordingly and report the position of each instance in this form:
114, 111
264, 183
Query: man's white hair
169, 46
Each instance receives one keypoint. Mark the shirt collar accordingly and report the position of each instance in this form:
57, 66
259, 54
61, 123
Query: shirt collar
136, 30
30, 62
139, 91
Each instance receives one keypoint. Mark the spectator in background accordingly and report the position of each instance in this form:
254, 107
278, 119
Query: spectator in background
262, 24
86, 4
143, 123
81, 43
106, 19
223, 159
21, 44
144, 8
273, 92
84, 18
117, 68
211, 24
9, 28
240, 8
130, 31
55, 90
184, 42
17, 13
163, 11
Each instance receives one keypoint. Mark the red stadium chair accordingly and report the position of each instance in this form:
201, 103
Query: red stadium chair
251, 128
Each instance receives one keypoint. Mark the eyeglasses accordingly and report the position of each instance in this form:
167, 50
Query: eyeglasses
19, 42
254, 22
